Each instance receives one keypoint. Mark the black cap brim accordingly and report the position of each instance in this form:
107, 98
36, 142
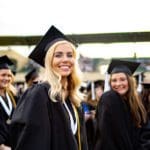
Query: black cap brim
5, 62
31, 74
146, 85
117, 66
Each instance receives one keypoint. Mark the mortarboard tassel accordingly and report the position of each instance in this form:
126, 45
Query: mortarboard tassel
93, 90
139, 87
106, 84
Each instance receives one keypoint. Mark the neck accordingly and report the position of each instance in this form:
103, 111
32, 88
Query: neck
64, 83
2, 92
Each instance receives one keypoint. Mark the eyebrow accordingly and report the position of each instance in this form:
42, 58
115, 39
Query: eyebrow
62, 52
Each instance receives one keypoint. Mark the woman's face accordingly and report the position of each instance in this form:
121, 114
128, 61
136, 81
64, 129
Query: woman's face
99, 91
5, 78
119, 83
63, 60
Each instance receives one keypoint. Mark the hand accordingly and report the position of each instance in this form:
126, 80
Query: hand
4, 147
93, 112
87, 116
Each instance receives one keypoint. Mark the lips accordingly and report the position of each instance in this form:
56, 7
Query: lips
65, 68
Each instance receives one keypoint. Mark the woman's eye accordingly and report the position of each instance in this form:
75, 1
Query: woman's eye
9, 76
113, 80
70, 55
57, 55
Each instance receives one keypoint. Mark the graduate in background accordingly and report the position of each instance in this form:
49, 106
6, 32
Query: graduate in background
32, 77
145, 133
146, 97
120, 112
49, 115
94, 91
7, 99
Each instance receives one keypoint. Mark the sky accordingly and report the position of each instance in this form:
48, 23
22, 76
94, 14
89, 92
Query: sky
34, 17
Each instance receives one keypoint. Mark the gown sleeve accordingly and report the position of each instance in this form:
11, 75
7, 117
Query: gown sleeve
145, 136
30, 121
3, 128
4, 123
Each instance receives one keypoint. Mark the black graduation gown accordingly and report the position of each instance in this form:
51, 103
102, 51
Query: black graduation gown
40, 124
90, 125
4, 126
145, 136
90, 130
115, 128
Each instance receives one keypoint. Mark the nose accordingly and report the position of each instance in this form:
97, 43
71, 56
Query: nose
65, 58
118, 83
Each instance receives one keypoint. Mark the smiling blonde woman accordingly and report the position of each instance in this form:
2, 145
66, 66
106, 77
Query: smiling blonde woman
49, 116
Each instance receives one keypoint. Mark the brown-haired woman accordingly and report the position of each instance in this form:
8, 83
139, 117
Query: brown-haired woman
120, 113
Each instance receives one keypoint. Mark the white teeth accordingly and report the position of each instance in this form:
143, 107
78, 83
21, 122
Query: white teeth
64, 67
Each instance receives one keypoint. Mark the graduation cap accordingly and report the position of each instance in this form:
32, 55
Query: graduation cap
97, 83
5, 62
94, 84
13, 71
139, 77
83, 87
32, 74
146, 85
117, 66
52, 36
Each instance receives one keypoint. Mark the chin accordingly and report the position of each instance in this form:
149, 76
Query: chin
65, 74
122, 93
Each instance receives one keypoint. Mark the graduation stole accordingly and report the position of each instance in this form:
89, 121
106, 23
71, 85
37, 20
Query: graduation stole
74, 126
78, 122
12, 98
11, 103
8, 109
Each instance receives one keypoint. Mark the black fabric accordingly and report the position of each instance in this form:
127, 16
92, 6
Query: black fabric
90, 125
146, 85
71, 109
4, 126
32, 74
145, 136
52, 36
115, 128
5, 62
40, 124
91, 132
117, 66
4, 133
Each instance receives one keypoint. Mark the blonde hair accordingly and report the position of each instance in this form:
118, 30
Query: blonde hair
11, 87
54, 79
135, 103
